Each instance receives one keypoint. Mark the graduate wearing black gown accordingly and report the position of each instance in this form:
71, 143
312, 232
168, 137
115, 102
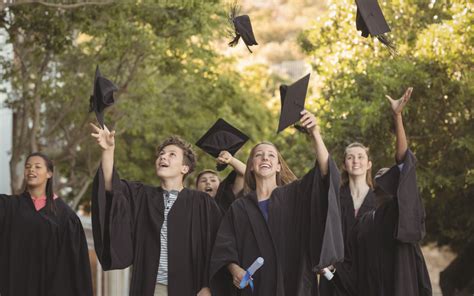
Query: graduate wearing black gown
383, 255
356, 195
295, 228
128, 217
43, 249
224, 192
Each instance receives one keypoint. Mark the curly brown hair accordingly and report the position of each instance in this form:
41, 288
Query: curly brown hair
189, 157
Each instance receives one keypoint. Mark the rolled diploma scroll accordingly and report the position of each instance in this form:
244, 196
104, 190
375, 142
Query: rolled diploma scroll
250, 271
327, 274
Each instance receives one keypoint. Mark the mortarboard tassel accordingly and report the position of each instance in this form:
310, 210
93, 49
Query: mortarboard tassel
234, 10
235, 40
388, 43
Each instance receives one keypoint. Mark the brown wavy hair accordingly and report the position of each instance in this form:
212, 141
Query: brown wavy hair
345, 174
189, 157
284, 176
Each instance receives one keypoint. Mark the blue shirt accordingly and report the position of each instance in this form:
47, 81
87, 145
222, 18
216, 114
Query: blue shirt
263, 205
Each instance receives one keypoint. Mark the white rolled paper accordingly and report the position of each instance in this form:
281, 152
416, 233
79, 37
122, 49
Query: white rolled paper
255, 265
327, 274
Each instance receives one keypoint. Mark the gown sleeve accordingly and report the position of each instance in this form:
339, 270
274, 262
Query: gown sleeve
224, 252
406, 204
72, 275
318, 196
113, 217
210, 223
225, 195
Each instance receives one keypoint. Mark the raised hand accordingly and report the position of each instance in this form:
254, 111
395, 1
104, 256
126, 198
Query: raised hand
104, 137
308, 121
398, 105
224, 157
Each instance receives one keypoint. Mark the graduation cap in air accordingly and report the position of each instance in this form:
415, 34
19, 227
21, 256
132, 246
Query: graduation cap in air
292, 103
102, 96
370, 20
242, 27
222, 136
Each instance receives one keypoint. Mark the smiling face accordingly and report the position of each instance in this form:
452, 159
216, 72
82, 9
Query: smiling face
36, 172
170, 163
265, 163
208, 182
356, 162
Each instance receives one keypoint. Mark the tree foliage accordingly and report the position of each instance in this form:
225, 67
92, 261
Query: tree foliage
435, 55
171, 81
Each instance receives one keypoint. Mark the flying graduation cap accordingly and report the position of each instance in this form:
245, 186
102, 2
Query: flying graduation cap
242, 27
222, 136
370, 20
102, 96
292, 103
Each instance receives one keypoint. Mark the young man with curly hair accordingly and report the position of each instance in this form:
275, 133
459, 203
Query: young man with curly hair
166, 232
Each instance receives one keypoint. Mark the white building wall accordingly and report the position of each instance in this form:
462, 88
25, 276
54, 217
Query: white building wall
5, 124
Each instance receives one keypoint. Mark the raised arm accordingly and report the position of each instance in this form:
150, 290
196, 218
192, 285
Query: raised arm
308, 121
106, 141
397, 109
239, 167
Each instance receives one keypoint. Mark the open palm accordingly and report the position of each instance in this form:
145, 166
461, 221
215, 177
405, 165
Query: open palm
398, 105
104, 137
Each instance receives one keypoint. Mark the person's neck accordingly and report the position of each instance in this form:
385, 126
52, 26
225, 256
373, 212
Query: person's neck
358, 186
265, 187
37, 192
169, 184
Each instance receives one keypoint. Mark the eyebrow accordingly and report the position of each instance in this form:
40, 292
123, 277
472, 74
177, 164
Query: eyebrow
352, 154
268, 151
168, 151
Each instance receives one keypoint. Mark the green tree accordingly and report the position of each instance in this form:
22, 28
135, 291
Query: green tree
171, 81
435, 44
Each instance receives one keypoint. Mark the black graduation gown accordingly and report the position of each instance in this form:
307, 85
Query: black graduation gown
42, 254
225, 195
303, 234
126, 225
383, 256
326, 288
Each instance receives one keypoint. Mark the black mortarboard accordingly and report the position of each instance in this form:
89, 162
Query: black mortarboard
242, 28
370, 20
292, 103
102, 96
222, 136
